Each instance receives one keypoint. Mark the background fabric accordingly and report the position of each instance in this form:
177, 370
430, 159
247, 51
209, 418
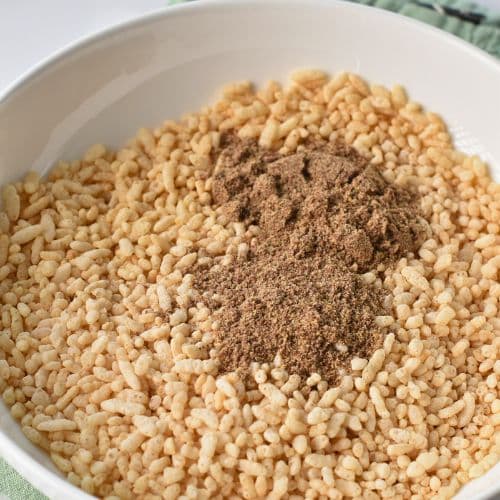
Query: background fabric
468, 21
484, 33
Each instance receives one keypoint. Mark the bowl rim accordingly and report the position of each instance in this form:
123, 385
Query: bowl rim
16, 456
185, 8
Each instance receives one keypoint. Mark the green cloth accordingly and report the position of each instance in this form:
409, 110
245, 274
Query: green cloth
485, 35
15, 487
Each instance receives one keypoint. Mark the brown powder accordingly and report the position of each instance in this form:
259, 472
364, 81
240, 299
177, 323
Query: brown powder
325, 214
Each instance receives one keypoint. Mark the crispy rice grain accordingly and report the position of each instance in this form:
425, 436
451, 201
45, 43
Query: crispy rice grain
107, 362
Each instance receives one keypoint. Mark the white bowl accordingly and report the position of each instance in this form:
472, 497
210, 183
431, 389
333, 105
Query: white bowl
162, 65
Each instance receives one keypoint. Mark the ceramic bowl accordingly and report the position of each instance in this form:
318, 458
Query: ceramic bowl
162, 65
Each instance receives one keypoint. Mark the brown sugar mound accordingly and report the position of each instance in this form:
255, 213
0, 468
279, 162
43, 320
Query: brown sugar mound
325, 214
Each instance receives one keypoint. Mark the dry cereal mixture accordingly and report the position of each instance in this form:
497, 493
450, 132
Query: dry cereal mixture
116, 353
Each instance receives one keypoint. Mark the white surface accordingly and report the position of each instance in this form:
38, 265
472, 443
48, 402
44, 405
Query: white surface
173, 62
31, 30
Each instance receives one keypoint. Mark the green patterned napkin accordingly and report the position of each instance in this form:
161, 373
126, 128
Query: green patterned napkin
15, 487
470, 22
462, 18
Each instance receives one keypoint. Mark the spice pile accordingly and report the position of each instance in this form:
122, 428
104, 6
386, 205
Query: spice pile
106, 353
323, 214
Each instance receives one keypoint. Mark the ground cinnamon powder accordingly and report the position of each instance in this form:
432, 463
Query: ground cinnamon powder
325, 215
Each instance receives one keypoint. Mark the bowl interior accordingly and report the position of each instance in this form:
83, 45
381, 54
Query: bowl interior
167, 64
